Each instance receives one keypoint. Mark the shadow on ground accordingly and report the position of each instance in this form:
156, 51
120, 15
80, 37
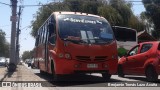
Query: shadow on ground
140, 78
7, 75
77, 80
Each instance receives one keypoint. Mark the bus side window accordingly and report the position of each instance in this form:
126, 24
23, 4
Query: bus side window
52, 34
37, 41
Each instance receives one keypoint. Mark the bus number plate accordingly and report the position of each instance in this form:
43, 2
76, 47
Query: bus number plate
92, 65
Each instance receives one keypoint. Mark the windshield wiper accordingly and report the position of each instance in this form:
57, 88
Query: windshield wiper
100, 41
75, 41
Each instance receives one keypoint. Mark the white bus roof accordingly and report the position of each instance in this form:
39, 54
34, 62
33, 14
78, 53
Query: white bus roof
76, 13
125, 28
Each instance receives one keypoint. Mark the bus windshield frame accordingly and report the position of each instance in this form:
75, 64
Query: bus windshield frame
84, 29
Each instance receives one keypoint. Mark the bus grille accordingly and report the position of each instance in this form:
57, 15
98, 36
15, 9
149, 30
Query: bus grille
88, 58
83, 58
100, 58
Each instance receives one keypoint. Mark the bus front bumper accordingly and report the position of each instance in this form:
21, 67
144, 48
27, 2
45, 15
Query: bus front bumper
63, 66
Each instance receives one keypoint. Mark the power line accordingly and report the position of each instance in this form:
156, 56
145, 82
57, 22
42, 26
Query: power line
5, 4
48, 5
132, 1
5, 26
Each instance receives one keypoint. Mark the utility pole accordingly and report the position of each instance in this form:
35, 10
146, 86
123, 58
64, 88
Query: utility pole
13, 61
17, 39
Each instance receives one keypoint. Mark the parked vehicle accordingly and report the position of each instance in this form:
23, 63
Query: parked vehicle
126, 39
26, 61
7, 61
143, 59
2, 61
32, 63
29, 62
21, 62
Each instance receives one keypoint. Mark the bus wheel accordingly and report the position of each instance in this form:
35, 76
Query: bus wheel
42, 72
120, 71
38, 65
106, 76
151, 74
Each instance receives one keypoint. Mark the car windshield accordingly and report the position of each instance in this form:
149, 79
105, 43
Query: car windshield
84, 29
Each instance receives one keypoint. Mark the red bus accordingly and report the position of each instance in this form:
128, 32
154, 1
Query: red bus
72, 42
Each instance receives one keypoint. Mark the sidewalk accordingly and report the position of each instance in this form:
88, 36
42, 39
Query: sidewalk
2, 73
22, 74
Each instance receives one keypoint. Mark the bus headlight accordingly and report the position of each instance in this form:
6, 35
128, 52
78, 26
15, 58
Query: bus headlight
67, 56
60, 55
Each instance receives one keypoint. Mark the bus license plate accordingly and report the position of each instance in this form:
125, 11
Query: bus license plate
92, 65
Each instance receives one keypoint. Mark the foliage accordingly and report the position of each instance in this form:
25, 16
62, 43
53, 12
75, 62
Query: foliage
121, 52
4, 46
124, 9
117, 12
113, 16
153, 12
43, 13
27, 55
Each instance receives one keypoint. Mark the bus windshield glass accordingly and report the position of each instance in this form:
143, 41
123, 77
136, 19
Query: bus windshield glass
124, 34
84, 29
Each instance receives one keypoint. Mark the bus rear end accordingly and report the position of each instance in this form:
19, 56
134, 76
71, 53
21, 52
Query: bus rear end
84, 44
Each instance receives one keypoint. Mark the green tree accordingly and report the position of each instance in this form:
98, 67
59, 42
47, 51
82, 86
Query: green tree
43, 13
111, 14
153, 11
27, 55
124, 9
136, 23
4, 45
117, 12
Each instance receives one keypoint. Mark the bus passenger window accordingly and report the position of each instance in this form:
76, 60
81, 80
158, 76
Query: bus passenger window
37, 41
52, 39
51, 29
52, 34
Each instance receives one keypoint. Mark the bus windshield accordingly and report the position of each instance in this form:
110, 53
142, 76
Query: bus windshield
84, 29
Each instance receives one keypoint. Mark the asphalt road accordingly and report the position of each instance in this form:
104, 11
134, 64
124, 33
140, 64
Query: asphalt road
93, 80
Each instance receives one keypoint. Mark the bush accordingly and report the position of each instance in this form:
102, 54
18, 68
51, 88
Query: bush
121, 52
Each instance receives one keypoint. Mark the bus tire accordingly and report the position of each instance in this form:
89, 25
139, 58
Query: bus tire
106, 76
120, 71
42, 72
151, 74
38, 65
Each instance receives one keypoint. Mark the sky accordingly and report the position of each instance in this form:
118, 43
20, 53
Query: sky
26, 40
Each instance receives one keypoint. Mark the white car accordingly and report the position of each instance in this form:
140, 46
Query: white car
2, 61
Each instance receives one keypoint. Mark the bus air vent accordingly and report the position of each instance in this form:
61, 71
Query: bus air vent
100, 58
83, 58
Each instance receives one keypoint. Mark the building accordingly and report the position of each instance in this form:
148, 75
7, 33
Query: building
143, 36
